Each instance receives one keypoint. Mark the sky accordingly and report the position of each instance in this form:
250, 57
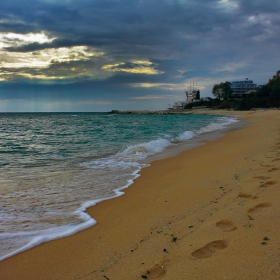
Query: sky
100, 55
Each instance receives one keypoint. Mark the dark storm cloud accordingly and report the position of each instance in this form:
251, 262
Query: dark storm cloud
174, 41
165, 28
123, 23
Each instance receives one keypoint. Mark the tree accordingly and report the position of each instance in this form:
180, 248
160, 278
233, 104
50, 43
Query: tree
222, 90
274, 85
217, 91
276, 76
272, 88
227, 90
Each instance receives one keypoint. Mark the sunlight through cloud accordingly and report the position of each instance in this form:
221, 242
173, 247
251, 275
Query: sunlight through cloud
44, 59
163, 86
135, 67
16, 40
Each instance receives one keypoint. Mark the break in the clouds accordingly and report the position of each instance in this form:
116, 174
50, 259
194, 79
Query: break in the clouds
137, 67
17, 40
47, 63
98, 55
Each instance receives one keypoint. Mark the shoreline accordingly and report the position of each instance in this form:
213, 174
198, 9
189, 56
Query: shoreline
197, 139
148, 229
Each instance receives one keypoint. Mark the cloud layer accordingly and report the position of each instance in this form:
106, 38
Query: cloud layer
98, 55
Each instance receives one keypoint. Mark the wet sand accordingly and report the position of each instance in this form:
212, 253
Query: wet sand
211, 212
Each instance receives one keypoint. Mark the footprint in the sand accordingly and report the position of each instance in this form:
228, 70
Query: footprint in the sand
267, 184
156, 271
210, 249
273, 169
259, 207
275, 146
262, 177
226, 225
276, 159
247, 195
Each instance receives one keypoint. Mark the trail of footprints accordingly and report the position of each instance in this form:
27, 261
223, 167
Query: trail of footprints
211, 248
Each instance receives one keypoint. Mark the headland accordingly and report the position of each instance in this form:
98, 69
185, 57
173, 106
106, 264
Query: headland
195, 110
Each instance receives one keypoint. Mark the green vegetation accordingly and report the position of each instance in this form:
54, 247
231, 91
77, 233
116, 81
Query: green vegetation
222, 91
266, 96
174, 239
266, 239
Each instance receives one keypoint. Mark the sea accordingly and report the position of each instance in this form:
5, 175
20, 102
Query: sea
53, 166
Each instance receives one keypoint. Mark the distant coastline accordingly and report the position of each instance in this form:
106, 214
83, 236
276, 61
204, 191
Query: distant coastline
195, 110
167, 112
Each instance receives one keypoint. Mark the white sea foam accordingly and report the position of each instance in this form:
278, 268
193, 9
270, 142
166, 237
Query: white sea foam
145, 149
187, 135
222, 122
130, 156
35, 238
41, 236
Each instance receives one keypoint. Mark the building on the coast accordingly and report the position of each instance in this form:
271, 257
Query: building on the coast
192, 95
206, 99
179, 105
240, 88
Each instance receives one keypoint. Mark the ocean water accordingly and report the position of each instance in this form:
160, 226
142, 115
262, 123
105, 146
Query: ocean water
55, 165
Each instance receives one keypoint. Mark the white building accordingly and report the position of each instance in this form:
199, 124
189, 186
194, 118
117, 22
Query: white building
243, 87
179, 105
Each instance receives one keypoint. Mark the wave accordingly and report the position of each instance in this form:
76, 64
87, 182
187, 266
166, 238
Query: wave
35, 238
131, 155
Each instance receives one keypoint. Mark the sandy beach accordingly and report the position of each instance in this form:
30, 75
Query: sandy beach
211, 212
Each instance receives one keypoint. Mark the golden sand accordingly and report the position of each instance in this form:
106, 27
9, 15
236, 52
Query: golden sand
211, 212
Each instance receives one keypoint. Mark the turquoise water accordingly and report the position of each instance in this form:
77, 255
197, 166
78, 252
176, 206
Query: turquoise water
53, 166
